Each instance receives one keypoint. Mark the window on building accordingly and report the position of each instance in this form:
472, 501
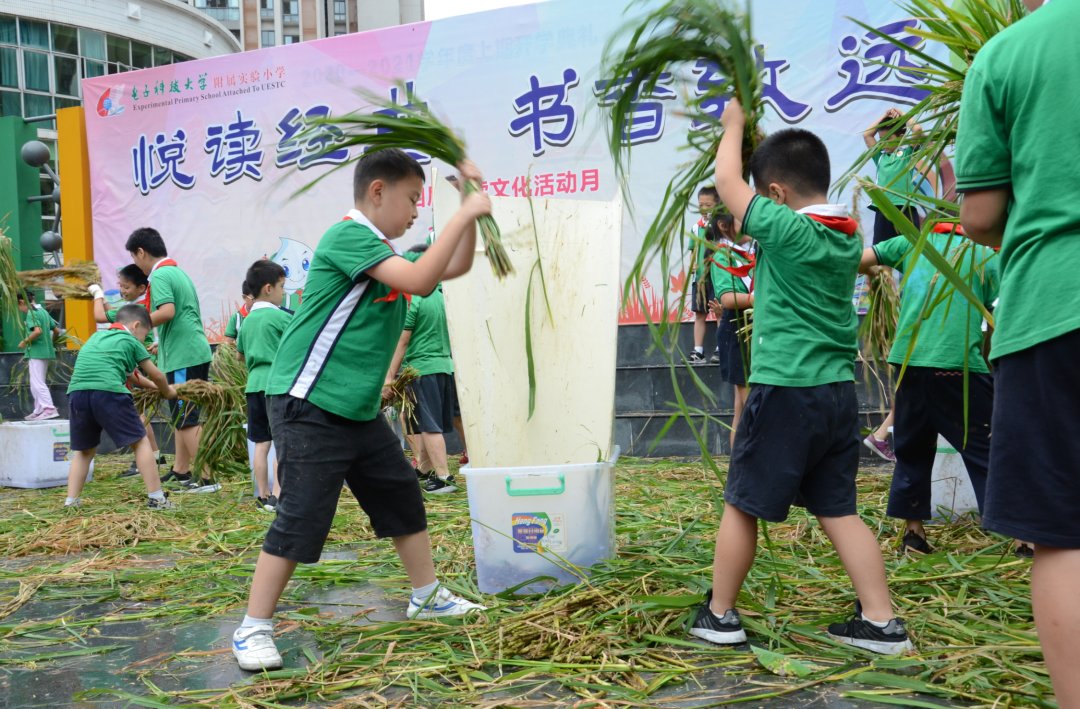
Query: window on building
36, 71
67, 75
339, 10
10, 103
119, 50
65, 39
9, 34
292, 38
93, 44
92, 69
162, 56
266, 8
9, 67
37, 105
34, 34
290, 10
142, 56
268, 38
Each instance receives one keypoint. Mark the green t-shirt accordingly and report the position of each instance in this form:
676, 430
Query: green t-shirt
182, 340
235, 324
106, 360
804, 323
725, 281
895, 172
42, 347
259, 340
110, 315
949, 329
429, 347
1018, 131
338, 347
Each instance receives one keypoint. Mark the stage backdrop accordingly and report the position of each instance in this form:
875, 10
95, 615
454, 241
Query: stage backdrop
206, 151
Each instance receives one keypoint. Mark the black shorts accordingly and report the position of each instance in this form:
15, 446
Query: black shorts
1033, 492
930, 402
93, 411
796, 445
700, 296
733, 351
435, 404
885, 230
184, 413
318, 452
258, 430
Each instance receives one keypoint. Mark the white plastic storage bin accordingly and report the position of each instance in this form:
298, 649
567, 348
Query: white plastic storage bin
35, 454
540, 521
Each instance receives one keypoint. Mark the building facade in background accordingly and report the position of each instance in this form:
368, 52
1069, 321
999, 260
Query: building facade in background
47, 46
268, 23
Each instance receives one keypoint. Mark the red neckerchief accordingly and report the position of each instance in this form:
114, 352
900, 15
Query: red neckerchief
394, 293
749, 260
149, 279
844, 225
118, 326
948, 228
245, 310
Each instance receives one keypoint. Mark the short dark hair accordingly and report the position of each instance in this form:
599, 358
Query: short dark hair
262, 273
147, 239
24, 296
134, 274
710, 191
419, 248
388, 164
720, 217
794, 157
132, 313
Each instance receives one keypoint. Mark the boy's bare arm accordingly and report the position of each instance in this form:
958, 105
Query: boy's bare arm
983, 215
163, 314
868, 261
734, 191
736, 301
33, 334
156, 376
399, 355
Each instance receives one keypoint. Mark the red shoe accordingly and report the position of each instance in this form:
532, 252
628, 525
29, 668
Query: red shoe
463, 459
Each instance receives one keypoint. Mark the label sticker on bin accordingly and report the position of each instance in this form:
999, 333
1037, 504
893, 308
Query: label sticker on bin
538, 532
60, 452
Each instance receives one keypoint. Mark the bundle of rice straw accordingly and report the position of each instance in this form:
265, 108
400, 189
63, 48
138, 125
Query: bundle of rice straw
66, 282
878, 329
9, 279
409, 127
402, 397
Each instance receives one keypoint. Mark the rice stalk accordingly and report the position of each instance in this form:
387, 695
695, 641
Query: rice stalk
109, 530
78, 276
878, 328
10, 286
402, 397
408, 127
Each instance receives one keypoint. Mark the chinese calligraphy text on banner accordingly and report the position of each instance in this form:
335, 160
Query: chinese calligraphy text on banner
208, 152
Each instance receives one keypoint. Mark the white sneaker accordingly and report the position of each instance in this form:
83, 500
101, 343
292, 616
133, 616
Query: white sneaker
33, 416
254, 648
441, 604
47, 414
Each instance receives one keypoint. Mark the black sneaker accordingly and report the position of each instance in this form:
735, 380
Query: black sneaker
890, 640
132, 470
697, 358
439, 486
200, 486
715, 359
161, 460
1024, 551
176, 478
271, 503
913, 542
726, 630
421, 475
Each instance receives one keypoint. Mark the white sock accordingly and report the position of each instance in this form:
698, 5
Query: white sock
157, 454
250, 622
159, 495
425, 592
875, 623
69, 501
700, 350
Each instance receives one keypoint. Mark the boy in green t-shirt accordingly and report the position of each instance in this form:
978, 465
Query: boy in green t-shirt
701, 285
732, 269
257, 345
236, 320
425, 346
40, 350
799, 439
183, 350
895, 171
132, 284
1016, 152
325, 389
99, 400
946, 383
